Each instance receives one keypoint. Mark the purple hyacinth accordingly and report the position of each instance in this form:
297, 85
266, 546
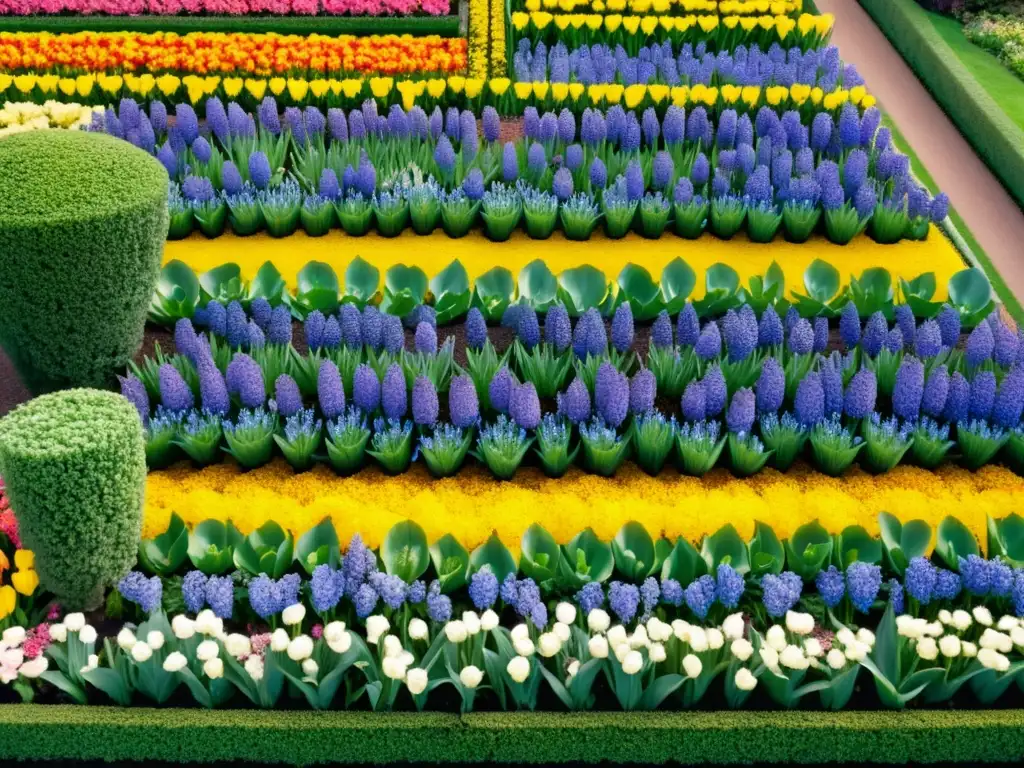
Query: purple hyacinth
781, 593
859, 400
574, 403
642, 391
598, 174
874, 335
740, 416
476, 329
365, 389
919, 579
949, 324
908, 389
863, 582
688, 327
259, 170
740, 338
624, 600
393, 335
715, 391
245, 380
500, 389
287, 395
694, 403
801, 338
928, 340
524, 405
351, 324
371, 328
709, 345
561, 185
213, 391
980, 345
425, 406
527, 326
425, 341
936, 390
894, 340
330, 391
558, 328
958, 400
611, 394
831, 586
770, 332
134, 391
463, 404
809, 403
394, 399
983, 395
832, 385
332, 333
661, 331
1009, 402
175, 394
622, 328
906, 323
280, 329
237, 326
771, 387
1006, 343
820, 334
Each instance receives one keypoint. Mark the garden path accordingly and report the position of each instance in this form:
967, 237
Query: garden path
987, 208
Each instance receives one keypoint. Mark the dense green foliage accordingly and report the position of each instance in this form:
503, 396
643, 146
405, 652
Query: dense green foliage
301, 738
285, 25
83, 218
74, 467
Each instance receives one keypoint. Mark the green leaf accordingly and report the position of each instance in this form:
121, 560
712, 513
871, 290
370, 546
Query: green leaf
821, 281
403, 279
684, 563
451, 279
969, 290
638, 288
269, 549
903, 543
267, 284
633, 549
538, 285
726, 546
211, 546
541, 554
808, 549
856, 544
721, 277
767, 555
953, 541
582, 288
176, 294
493, 291
922, 287
316, 288
361, 281
587, 558
164, 554
1006, 539
223, 283
404, 551
775, 279
318, 546
677, 283
495, 554
876, 281
451, 562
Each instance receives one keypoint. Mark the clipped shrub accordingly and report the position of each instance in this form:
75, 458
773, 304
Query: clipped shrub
83, 219
74, 464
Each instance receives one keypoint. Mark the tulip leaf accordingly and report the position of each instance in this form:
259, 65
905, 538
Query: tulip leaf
361, 281
921, 287
267, 284
318, 546
684, 563
726, 546
969, 290
538, 285
493, 292
767, 555
637, 287
541, 554
451, 561
854, 544
587, 558
582, 288
494, 554
404, 551
634, 552
677, 283
223, 283
821, 281
953, 541
316, 288
211, 546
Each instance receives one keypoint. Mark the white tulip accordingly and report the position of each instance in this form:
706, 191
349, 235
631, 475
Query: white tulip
657, 653
992, 659
418, 629
934, 629
87, 634
698, 639
776, 637
598, 620
214, 669
799, 623
548, 645
621, 650
74, 622
741, 648
183, 627
300, 648
733, 626
126, 639
770, 657
997, 641
982, 615
392, 645
927, 648
681, 630
208, 623
692, 666
33, 668
472, 622
617, 635
949, 646
238, 645
969, 650
254, 668
812, 647
845, 636
518, 669
632, 663
715, 638
524, 646
407, 658
639, 638
416, 680
58, 633
92, 662
520, 631
793, 657
175, 662
866, 636
394, 668
488, 620
14, 636
598, 647
945, 616
1007, 623
962, 620
745, 679
657, 630
293, 614
341, 642
1017, 635
279, 640
565, 613
562, 631
142, 652
836, 659
208, 649
310, 668
573, 668
471, 676
155, 639
376, 626
334, 630
857, 650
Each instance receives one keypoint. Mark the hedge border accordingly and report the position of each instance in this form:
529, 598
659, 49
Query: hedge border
445, 26
996, 138
67, 732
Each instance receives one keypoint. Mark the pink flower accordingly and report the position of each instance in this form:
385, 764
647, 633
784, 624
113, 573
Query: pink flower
306, 7
36, 641
317, 631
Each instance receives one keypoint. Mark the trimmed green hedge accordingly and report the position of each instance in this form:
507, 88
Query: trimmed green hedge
995, 137
445, 26
74, 465
83, 218
41, 732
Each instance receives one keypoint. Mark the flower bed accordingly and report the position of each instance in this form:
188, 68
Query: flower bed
166, 8
17, 117
1001, 35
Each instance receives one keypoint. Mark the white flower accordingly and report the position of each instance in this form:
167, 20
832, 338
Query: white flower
182, 626
548, 645
698, 639
573, 669
776, 637
866, 636
992, 659
836, 659
293, 614
310, 668
962, 620
715, 638
238, 645
934, 629
927, 648
394, 668
657, 630
733, 626
488, 620
770, 657
207, 623
745, 679
471, 676
969, 650
208, 649
598, 620
657, 652
617, 635
472, 622
812, 647
416, 680
632, 663
982, 615
392, 645
856, 651
1006, 623
799, 623
945, 616
639, 638
58, 633
33, 668
376, 626
561, 631
793, 657
126, 639
279, 640
87, 634
1017, 635
520, 631
565, 613
949, 645
518, 669
598, 647
692, 666
213, 669
524, 646
254, 668
996, 641
407, 658
741, 648
142, 652
845, 636
418, 630
681, 630
74, 622
300, 648
911, 628
155, 639
175, 662
14, 636
341, 642
620, 651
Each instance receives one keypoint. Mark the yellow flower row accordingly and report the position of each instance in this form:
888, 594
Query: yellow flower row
499, 54
807, 24
16, 117
479, 22
722, 7
473, 504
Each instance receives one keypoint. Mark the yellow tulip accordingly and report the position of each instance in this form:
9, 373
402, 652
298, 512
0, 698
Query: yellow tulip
830, 101
631, 24
67, 86
256, 88
775, 94
541, 19
576, 90
817, 95
168, 84
457, 83
86, 82
277, 85
4, 562
668, 23
233, 86
648, 24
766, 22
731, 93
800, 92
680, 93
748, 23
824, 24
8, 601
559, 91
730, 22
708, 23
336, 86
658, 93
48, 83
436, 86
194, 86
25, 582
711, 96
597, 93
614, 94
540, 90
351, 87
783, 26
146, 84
634, 94
595, 21
532, 5
211, 83
751, 94
25, 83
498, 85
24, 559
806, 23
612, 22
858, 93
523, 90
577, 20
381, 86
868, 101
562, 21
474, 85
520, 20
5, 81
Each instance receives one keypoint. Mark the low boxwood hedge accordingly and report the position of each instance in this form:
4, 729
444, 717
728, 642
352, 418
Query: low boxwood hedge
995, 137
59, 732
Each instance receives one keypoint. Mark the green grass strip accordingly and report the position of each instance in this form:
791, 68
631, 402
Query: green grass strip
65, 732
445, 26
